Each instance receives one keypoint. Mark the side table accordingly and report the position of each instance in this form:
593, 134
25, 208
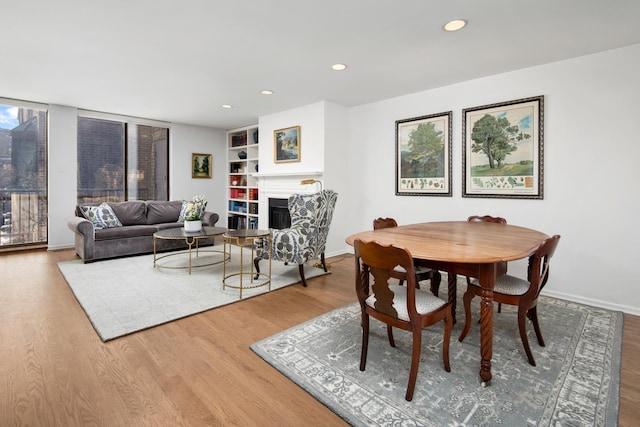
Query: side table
245, 239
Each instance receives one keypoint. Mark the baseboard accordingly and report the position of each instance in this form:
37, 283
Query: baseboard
593, 302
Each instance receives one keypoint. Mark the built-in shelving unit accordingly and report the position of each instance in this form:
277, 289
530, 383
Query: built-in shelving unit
242, 192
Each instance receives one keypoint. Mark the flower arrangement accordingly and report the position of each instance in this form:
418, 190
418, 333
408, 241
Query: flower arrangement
195, 209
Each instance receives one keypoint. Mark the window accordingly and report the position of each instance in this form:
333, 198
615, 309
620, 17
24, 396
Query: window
119, 161
23, 175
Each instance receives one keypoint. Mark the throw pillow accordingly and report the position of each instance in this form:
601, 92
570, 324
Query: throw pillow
101, 216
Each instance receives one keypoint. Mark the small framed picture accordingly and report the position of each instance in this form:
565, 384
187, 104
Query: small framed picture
502, 153
201, 165
423, 155
286, 145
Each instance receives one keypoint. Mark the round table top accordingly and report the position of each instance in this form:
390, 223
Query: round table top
459, 241
179, 233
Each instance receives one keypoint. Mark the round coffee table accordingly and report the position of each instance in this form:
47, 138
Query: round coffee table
245, 239
191, 239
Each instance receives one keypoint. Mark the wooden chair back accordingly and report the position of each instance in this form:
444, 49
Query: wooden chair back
487, 218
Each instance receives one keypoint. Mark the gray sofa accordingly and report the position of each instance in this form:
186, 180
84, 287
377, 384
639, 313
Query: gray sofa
139, 219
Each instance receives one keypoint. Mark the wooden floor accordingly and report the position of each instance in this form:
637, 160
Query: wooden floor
197, 371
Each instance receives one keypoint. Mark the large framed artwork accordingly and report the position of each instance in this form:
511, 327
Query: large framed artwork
503, 150
201, 165
286, 145
423, 155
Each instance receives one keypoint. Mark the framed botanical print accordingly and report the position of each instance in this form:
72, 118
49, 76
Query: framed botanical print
503, 150
423, 155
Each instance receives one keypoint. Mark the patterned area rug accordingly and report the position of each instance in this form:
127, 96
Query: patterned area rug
126, 295
575, 383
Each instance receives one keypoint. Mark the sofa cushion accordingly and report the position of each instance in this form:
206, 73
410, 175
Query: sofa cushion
101, 216
125, 232
162, 211
131, 212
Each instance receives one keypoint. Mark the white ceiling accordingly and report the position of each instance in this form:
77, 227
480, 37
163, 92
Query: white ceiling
178, 61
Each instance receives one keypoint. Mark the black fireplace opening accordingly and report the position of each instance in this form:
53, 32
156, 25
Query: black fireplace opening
279, 216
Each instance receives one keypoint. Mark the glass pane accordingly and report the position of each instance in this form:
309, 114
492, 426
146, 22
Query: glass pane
100, 161
147, 163
23, 176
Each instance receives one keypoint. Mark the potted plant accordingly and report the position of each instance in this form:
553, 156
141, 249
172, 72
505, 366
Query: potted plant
193, 212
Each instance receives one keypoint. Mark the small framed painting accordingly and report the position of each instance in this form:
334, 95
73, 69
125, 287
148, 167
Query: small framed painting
502, 153
423, 155
286, 145
201, 165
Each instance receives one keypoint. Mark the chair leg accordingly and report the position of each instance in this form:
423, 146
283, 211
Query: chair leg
365, 341
466, 299
533, 315
392, 342
256, 263
522, 326
301, 270
324, 264
436, 278
415, 362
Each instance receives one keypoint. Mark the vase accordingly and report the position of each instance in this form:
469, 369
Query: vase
242, 155
193, 226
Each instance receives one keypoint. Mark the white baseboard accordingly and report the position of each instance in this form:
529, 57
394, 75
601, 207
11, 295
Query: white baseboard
594, 302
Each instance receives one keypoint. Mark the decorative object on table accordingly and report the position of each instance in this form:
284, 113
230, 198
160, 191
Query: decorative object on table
567, 387
201, 165
423, 155
502, 153
191, 213
242, 155
286, 145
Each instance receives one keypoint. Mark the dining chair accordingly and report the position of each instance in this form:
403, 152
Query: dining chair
497, 220
403, 307
422, 273
519, 292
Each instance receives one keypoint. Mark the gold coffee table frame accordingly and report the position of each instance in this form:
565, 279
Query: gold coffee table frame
191, 239
245, 239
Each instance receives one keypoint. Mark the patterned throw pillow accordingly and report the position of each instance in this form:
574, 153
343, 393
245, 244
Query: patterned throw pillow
101, 216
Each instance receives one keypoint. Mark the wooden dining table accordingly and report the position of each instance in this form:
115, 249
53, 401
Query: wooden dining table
474, 249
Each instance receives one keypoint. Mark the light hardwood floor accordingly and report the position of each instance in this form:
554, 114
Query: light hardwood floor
197, 371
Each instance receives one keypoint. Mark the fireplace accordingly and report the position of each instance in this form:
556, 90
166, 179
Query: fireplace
279, 217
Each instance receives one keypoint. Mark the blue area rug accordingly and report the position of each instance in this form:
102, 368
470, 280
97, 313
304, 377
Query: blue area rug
575, 383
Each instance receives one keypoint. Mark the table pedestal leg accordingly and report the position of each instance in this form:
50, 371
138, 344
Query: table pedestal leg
486, 334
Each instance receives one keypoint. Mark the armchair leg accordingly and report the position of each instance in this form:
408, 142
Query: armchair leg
301, 270
324, 264
256, 263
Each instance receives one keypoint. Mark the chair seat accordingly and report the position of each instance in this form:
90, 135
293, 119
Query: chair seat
425, 302
418, 269
508, 285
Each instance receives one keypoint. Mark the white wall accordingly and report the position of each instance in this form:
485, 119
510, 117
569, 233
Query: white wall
185, 140
62, 180
310, 118
591, 152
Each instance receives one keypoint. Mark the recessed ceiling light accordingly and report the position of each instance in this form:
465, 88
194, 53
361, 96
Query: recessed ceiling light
338, 67
455, 25
227, 106
266, 92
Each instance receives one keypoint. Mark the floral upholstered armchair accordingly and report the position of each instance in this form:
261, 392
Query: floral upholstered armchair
306, 239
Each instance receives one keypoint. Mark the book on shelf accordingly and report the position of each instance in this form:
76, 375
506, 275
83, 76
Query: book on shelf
239, 140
